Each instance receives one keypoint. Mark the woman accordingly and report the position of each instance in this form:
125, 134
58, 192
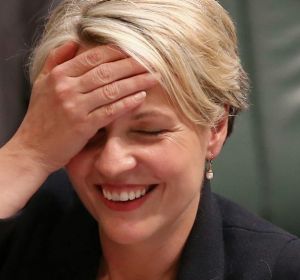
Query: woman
135, 98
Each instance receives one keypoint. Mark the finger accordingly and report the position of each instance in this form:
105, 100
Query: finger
59, 55
110, 112
87, 60
117, 90
108, 73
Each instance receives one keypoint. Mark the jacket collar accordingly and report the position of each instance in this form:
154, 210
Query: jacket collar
203, 254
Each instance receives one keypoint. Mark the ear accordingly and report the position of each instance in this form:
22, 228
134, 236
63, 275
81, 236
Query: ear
218, 136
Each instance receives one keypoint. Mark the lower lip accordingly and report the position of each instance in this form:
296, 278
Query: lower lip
129, 205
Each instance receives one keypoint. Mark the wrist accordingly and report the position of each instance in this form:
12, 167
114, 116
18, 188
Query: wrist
25, 160
21, 175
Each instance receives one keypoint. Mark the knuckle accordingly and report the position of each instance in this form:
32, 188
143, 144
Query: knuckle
110, 91
55, 75
73, 114
110, 110
69, 107
103, 73
61, 88
93, 58
61, 91
58, 82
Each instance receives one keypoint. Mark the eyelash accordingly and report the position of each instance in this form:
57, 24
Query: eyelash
150, 133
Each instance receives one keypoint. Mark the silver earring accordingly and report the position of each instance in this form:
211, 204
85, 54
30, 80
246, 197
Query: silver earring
209, 171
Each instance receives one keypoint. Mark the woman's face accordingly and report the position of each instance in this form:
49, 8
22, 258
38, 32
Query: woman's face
141, 175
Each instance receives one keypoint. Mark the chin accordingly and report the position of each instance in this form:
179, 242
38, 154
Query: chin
125, 233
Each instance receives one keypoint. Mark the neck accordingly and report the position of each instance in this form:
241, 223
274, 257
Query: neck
157, 258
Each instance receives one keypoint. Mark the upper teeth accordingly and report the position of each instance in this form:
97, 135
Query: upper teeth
124, 195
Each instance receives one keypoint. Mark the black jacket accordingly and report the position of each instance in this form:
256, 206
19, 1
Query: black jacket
54, 237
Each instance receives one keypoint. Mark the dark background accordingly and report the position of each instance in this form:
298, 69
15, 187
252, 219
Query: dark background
260, 165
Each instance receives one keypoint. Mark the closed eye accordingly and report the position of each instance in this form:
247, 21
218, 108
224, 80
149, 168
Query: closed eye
150, 132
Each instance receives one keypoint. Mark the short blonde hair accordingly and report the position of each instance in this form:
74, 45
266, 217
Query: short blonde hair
191, 43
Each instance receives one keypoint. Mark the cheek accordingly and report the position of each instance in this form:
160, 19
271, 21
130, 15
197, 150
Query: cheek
178, 162
79, 167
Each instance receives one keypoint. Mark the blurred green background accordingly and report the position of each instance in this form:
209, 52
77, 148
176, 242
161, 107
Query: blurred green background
260, 165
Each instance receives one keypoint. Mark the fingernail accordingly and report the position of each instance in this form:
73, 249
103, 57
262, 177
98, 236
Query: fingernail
139, 96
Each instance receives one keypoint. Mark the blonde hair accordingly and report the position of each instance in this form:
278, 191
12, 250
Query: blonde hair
191, 43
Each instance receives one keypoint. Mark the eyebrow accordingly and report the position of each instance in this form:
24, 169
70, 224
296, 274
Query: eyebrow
154, 113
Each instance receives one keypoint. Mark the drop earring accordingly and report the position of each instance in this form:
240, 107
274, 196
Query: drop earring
209, 172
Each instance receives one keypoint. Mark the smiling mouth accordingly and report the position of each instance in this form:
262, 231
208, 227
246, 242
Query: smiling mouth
127, 195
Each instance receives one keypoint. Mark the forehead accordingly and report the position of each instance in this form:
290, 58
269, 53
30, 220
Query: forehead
155, 104
158, 107
158, 96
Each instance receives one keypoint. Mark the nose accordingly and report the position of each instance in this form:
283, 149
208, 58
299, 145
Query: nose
115, 159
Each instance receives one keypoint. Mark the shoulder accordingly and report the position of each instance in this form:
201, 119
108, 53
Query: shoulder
237, 218
54, 197
44, 210
46, 236
288, 262
255, 247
